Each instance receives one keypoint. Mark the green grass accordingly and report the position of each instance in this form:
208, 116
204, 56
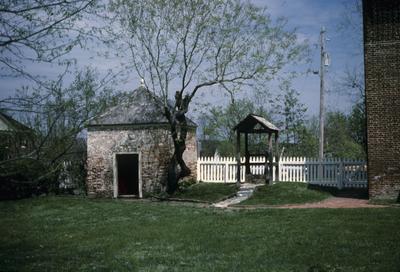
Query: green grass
284, 193
208, 192
385, 201
77, 234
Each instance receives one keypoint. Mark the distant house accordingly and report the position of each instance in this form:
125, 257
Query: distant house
15, 138
129, 148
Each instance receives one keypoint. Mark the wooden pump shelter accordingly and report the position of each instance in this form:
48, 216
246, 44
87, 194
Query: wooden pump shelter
255, 124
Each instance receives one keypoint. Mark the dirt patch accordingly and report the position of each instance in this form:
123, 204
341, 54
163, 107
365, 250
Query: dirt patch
333, 203
330, 203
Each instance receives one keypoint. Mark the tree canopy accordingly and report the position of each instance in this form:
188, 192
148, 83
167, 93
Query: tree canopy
181, 47
39, 31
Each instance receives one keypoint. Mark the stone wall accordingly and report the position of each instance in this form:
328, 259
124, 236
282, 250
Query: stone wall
190, 154
153, 144
382, 73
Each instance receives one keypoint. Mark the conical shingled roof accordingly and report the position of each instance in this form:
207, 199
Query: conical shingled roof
142, 108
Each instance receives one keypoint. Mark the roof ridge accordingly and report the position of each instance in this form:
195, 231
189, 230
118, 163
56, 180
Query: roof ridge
259, 119
14, 123
141, 107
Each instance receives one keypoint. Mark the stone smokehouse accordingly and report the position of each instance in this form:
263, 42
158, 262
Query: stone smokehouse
129, 148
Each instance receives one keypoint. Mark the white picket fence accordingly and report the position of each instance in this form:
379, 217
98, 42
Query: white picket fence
335, 172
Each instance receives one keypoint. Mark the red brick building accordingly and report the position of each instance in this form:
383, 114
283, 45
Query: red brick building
382, 86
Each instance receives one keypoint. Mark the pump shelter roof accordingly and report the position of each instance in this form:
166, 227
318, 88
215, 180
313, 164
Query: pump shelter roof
255, 124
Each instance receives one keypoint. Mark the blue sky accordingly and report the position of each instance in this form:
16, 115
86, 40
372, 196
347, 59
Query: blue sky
344, 46
307, 16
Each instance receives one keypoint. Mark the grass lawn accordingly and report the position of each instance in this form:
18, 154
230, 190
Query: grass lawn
285, 193
77, 234
392, 202
208, 192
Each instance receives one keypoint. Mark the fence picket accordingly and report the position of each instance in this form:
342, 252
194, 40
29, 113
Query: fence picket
336, 172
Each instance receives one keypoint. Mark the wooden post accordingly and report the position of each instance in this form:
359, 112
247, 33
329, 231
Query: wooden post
198, 178
226, 170
270, 158
238, 157
277, 157
266, 171
247, 154
340, 180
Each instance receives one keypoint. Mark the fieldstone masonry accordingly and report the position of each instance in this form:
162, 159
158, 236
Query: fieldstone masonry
382, 85
149, 138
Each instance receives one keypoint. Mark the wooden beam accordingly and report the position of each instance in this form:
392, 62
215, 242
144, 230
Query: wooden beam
258, 131
238, 157
270, 158
277, 157
266, 169
247, 154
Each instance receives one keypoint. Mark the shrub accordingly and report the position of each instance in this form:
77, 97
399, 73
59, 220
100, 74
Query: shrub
186, 183
25, 177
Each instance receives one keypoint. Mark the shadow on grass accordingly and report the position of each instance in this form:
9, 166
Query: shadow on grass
206, 192
358, 193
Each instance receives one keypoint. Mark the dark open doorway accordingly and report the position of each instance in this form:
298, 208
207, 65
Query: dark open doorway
128, 174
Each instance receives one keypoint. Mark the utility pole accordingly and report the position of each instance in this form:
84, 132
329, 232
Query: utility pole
324, 62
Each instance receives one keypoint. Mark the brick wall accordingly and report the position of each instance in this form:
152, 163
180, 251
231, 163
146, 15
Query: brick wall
382, 83
153, 144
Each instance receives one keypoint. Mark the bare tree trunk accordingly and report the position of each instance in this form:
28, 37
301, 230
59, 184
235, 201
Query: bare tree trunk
178, 126
177, 167
172, 179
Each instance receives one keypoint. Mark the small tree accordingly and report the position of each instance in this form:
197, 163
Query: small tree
292, 112
218, 123
57, 114
339, 141
188, 46
352, 81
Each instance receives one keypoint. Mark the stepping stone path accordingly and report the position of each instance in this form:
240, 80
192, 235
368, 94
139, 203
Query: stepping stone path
245, 191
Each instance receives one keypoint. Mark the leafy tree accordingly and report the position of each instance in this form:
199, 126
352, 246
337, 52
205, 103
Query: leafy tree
296, 137
339, 142
198, 45
58, 114
286, 111
218, 124
307, 145
353, 84
358, 125
352, 81
293, 114
220, 121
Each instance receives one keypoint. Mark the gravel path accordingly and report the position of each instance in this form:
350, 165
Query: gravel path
245, 191
332, 202
335, 202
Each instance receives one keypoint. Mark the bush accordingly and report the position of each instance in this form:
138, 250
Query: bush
186, 183
24, 178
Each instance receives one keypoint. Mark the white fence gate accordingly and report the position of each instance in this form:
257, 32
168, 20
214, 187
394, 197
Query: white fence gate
335, 172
